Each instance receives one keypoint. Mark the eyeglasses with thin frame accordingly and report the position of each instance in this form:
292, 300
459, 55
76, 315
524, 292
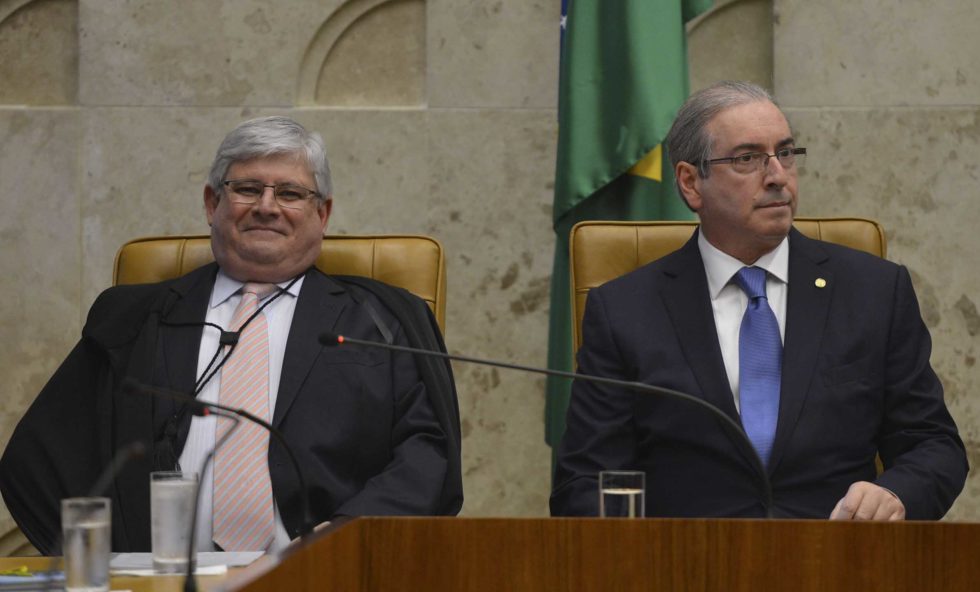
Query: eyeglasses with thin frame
249, 191
752, 162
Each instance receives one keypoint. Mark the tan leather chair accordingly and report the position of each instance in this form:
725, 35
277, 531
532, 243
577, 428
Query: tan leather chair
601, 250
415, 263
13, 543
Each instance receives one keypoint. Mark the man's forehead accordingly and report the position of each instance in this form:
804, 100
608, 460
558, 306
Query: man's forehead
759, 123
291, 163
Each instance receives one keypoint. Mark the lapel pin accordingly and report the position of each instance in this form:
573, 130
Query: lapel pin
820, 282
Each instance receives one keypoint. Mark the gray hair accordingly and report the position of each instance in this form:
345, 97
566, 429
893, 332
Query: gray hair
688, 139
268, 136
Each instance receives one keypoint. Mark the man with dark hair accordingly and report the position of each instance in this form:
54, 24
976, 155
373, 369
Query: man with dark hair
374, 434
819, 351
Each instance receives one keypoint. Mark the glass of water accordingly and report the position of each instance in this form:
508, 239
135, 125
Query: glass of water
622, 494
172, 496
86, 543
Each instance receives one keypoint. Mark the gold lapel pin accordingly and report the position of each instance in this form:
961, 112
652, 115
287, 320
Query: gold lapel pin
820, 282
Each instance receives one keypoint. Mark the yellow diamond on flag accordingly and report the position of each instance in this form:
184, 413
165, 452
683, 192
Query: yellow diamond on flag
650, 166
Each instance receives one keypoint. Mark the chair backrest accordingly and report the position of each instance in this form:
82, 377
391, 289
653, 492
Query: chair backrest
415, 263
601, 250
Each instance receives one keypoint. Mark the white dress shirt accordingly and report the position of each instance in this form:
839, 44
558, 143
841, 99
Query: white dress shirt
225, 297
728, 301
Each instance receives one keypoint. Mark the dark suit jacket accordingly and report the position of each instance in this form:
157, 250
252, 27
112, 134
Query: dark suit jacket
856, 380
360, 420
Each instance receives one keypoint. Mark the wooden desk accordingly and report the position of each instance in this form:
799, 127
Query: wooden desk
586, 554
559, 554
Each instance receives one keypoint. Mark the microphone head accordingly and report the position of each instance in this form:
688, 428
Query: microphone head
229, 337
331, 339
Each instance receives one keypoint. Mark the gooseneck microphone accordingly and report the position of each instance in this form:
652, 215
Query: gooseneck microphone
123, 457
203, 408
333, 339
190, 583
131, 386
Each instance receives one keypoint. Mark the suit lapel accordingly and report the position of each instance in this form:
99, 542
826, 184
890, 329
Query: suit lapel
807, 306
180, 328
321, 301
166, 356
688, 303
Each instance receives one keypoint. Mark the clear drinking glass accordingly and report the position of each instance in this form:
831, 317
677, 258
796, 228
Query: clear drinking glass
86, 543
622, 494
172, 496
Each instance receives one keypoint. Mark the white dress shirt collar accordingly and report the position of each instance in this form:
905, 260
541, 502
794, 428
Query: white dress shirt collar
225, 287
720, 267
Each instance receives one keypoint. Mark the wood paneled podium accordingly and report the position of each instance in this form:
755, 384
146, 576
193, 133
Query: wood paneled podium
585, 554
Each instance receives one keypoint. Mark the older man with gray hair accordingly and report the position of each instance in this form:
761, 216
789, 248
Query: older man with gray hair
373, 436
819, 351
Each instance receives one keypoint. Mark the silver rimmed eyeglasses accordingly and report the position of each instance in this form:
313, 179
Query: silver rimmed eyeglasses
752, 162
249, 191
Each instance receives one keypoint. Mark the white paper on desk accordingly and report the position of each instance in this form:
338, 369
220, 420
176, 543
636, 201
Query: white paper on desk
209, 563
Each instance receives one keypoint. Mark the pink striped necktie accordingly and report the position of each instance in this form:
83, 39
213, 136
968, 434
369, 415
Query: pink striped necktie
242, 514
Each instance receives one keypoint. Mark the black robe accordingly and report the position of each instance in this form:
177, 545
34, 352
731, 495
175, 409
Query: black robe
410, 463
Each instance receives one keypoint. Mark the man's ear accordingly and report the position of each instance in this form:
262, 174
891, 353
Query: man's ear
323, 211
210, 203
689, 184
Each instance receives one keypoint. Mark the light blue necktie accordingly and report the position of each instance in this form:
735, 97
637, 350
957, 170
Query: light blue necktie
760, 362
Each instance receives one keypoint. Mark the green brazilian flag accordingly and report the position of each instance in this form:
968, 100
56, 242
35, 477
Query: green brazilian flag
623, 77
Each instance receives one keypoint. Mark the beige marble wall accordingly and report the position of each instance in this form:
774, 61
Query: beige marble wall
731, 41
40, 52
447, 127
886, 95
39, 251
